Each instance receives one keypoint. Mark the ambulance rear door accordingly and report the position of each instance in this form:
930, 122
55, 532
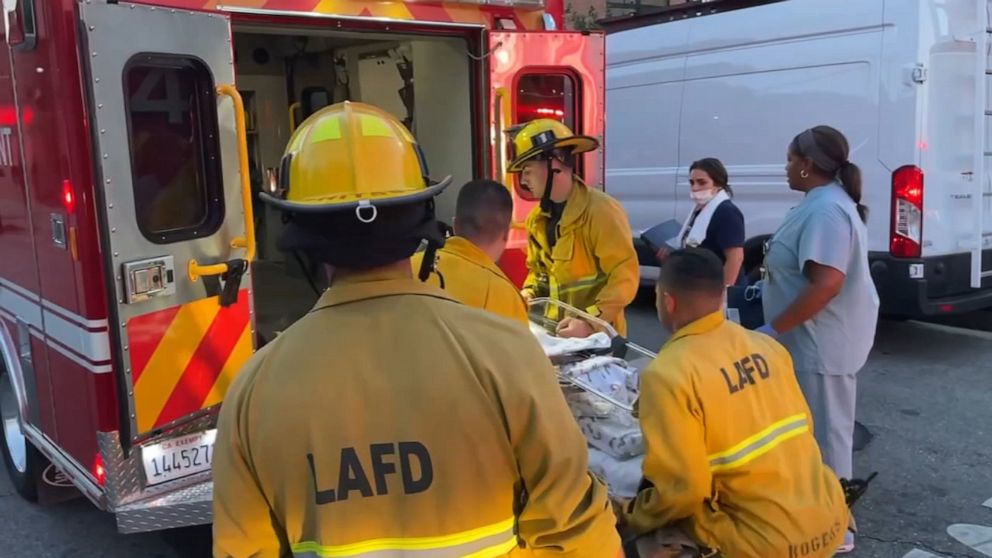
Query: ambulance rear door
553, 74
170, 157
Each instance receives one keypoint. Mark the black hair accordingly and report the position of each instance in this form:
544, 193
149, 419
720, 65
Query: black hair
692, 270
716, 171
483, 210
829, 151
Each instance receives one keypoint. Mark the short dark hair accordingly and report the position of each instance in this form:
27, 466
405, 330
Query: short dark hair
692, 270
484, 210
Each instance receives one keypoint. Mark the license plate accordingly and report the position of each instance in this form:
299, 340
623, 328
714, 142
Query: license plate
180, 457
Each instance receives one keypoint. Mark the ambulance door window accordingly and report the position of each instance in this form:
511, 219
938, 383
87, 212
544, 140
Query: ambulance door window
172, 126
548, 95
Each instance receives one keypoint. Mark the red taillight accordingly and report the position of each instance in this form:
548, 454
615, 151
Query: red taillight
99, 471
68, 196
906, 230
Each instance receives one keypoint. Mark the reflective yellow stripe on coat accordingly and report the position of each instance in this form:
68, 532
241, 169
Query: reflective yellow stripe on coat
759, 444
485, 542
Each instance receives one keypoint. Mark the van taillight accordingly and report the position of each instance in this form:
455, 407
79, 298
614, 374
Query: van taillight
906, 232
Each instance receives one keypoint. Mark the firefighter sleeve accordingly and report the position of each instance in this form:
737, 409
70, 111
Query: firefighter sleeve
613, 246
676, 466
533, 263
243, 525
566, 512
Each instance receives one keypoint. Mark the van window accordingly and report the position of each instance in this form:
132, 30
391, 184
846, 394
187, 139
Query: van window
172, 126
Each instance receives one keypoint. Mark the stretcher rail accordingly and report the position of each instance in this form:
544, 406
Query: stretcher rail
547, 314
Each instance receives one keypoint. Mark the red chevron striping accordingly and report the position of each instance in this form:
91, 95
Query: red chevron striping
208, 361
144, 333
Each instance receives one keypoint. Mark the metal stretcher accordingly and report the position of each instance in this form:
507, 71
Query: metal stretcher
547, 314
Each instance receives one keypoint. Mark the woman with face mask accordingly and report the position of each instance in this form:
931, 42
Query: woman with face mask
714, 223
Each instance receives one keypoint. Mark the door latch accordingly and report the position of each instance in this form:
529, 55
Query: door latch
919, 73
231, 280
150, 278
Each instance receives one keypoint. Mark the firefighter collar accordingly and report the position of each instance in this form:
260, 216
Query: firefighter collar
377, 284
465, 249
575, 206
703, 325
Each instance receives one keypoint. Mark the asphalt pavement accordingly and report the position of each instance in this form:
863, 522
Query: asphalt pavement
925, 396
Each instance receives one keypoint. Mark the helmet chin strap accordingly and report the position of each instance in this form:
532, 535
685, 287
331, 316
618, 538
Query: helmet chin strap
429, 263
434, 234
548, 183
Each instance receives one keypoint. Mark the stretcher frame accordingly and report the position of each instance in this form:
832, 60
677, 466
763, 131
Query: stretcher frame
548, 313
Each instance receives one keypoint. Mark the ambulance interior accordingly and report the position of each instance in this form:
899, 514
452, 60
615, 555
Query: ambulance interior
424, 81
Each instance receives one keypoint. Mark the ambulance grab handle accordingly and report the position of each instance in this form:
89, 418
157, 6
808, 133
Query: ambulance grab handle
504, 111
247, 241
292, 115
503, 116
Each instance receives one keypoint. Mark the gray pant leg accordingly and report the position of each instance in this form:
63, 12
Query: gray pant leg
831, 401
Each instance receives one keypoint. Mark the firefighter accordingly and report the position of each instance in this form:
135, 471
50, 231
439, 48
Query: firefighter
729, 450
466, 266
392, 420
580, 249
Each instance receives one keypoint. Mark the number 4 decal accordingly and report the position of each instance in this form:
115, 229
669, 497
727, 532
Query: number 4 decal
174, 103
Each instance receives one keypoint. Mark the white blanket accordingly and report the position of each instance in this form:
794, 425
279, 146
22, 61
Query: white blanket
698, 232
585, 404
558, 346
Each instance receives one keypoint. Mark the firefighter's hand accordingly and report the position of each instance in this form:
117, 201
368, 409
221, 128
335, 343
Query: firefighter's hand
662, 254
574, 327
527, 295
619, 507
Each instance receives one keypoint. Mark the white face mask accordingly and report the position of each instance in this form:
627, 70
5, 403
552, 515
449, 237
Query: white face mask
703, 196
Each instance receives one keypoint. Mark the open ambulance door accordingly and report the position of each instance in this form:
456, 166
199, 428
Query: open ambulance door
171, 164
557, 75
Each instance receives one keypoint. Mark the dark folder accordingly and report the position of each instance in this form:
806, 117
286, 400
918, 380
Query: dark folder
663, 235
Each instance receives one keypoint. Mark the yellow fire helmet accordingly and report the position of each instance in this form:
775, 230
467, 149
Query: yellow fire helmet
539, 137
352, 156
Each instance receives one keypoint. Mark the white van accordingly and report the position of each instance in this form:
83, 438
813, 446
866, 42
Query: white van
738, 80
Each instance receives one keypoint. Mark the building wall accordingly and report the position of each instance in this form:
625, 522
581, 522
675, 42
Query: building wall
582, 14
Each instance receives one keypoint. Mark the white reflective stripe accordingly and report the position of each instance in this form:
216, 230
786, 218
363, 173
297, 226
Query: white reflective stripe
63, 312
19, 289
94, 368
760, 443
88, 349
18, 305
67, 314
95, 346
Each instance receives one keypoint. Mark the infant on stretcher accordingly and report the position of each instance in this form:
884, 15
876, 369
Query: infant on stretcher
601, 391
